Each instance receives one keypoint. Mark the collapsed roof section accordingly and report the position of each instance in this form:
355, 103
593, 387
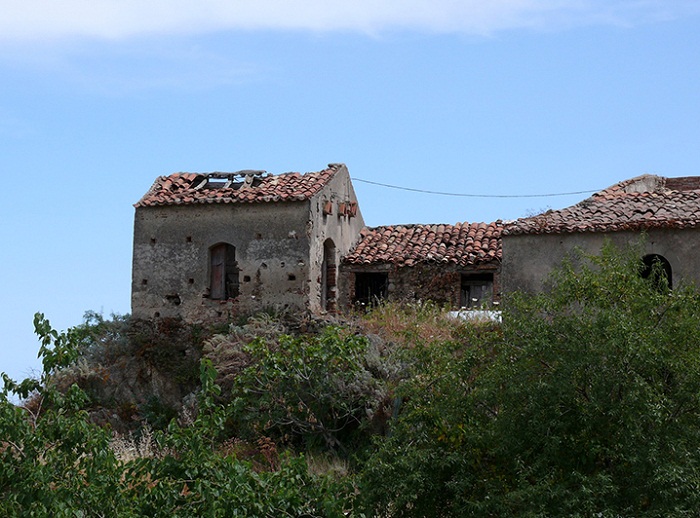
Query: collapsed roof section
239, 187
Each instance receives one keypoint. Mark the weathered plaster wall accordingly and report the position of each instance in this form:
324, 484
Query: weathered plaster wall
440, 283
171, 258
529, 259
342, 225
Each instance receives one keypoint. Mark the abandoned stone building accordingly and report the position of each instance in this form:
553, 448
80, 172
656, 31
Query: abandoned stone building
453, 265
665, 210
209, 247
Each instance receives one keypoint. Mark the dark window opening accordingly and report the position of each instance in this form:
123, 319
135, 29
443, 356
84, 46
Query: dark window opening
658, 270
144, 281
153, 240
371, 287
223, 272
246, 278
476, 290
188, 239
190, 280
292, 277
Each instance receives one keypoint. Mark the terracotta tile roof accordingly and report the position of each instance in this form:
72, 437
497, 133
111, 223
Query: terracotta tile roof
644, 202
241, 187
464, 244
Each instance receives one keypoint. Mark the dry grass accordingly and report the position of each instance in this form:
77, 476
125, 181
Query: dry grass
326, 464
411, 324
127, 448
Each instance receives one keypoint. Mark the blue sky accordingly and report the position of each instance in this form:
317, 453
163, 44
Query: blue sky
506, 97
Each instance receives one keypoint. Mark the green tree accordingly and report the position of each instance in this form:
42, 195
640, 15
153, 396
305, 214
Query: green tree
586, 402
193, 478
55, 462
315, 389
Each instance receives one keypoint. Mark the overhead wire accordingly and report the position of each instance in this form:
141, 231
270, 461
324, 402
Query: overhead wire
464, 195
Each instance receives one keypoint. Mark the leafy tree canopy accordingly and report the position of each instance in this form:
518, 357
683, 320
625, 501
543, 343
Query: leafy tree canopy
586, 402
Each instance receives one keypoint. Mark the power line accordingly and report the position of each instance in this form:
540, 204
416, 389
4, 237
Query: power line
462, 195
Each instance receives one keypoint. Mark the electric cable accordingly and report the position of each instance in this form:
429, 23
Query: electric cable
464, 195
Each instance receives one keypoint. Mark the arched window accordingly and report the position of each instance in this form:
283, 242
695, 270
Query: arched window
658, 270
223, 272
328, 276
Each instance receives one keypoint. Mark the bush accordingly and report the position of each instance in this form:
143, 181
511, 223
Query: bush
55, 462
586, 403
313, 390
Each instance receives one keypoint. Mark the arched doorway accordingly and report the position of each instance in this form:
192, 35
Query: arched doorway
658, 270
328, 276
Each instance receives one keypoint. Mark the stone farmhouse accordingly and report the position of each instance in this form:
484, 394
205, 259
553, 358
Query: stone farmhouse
209, 247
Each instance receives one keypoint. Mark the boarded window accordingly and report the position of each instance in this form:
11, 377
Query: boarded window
476, 290
223, 272
370, 287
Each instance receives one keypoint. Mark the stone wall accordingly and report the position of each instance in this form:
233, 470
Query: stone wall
171, 259
334, 216
440, 283
529, 259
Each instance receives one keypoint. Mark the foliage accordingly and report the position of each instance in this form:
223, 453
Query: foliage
411, 324
134, 370
56, 462
193, 479
315, 388
585, 403
53, 461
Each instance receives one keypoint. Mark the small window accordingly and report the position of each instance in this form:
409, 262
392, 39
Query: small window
223, 272
476, 290
371, 287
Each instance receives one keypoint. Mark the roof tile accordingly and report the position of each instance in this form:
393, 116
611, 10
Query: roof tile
194, 188
407, 245
641, 203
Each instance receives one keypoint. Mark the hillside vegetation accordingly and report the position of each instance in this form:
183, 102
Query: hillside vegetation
583, 401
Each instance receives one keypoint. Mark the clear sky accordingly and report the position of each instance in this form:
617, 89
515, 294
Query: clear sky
498, 97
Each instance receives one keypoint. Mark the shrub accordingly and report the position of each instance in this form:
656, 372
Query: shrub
585, 403
313, 390
55, 462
